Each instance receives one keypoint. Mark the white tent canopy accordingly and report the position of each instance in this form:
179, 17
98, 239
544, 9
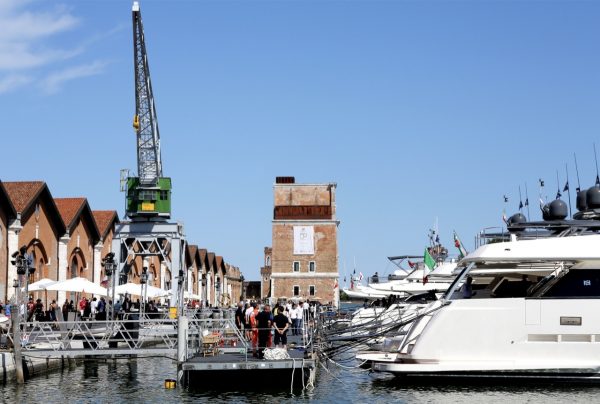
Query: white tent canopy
78, 285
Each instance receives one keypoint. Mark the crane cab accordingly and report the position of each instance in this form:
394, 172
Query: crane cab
144, 201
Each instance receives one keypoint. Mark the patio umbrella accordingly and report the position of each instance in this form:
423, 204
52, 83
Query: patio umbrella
137, 290
188, 295
42, 284
153, 291
78, 284
128, 288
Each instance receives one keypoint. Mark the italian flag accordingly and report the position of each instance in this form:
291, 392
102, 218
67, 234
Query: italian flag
429, 265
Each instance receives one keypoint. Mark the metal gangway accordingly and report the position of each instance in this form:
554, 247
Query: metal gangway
131, 335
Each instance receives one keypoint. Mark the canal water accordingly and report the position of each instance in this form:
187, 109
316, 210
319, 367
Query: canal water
142, 380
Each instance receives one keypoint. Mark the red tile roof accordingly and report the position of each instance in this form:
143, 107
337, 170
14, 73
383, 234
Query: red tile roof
22, 193
6, 203
69, 209
192, 251
104, 220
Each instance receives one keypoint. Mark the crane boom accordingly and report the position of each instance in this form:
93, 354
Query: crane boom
148, 194
145, 122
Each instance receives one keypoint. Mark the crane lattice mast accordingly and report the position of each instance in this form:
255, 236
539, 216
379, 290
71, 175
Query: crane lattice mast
148, 194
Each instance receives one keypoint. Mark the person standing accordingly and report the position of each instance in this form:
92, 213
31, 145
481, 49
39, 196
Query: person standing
264, 324
101, 310
82, 304
239, 316
254, 326
294, 318
65, 310
248, 326
281, 324
94, 307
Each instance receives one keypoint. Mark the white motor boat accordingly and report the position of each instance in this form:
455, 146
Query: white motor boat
528, 309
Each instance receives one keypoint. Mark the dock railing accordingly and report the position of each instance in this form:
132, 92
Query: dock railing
145, 334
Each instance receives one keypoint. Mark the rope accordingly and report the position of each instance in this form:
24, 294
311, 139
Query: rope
272, 354
292, 383
334, 376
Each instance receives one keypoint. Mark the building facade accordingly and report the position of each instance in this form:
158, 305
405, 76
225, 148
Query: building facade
38, 227
304, 253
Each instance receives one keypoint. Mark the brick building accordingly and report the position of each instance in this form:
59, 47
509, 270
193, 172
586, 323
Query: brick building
106, 221
302, 262
7, 215
38, 227
65, 238
76, 246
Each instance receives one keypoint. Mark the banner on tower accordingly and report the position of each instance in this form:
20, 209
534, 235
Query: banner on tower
304, 240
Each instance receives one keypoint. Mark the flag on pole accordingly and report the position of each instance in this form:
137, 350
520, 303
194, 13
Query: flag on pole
566, 188
461, 249
411, 264
429, 265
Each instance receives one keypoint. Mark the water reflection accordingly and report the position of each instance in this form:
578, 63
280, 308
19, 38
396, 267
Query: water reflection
142, 380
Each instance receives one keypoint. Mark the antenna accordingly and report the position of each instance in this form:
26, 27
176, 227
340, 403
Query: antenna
566, 188
596, 158
577, 171
520, 200
527, 202
558, 194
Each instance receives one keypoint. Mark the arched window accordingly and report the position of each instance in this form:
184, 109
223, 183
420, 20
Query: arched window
74, 267
268, 260
35, 275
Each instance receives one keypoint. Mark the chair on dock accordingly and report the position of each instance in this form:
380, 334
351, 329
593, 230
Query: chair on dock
209, 344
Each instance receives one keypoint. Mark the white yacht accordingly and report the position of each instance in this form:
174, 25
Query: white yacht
531, 311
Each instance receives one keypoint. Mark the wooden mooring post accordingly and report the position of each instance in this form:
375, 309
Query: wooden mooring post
16, 326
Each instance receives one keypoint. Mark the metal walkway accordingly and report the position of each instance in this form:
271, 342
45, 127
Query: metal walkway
128, 336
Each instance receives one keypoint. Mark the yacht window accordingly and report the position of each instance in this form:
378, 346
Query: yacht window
576, 283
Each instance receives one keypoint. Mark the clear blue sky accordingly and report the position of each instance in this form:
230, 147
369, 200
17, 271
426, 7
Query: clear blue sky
416, 110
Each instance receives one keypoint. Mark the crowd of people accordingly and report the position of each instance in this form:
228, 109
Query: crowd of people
93, 308
266, 328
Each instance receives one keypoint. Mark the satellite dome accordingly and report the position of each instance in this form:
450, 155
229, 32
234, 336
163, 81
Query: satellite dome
558, 210
546, 212
593, 197
516, 219
582, 201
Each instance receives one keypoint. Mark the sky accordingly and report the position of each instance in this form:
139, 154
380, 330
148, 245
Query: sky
420, 111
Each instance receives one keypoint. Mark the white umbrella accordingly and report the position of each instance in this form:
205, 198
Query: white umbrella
128, 288
136, 289
153, 291
78, 285
188, 295
42, 284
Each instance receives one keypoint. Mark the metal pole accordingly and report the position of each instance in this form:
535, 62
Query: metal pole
182, 333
